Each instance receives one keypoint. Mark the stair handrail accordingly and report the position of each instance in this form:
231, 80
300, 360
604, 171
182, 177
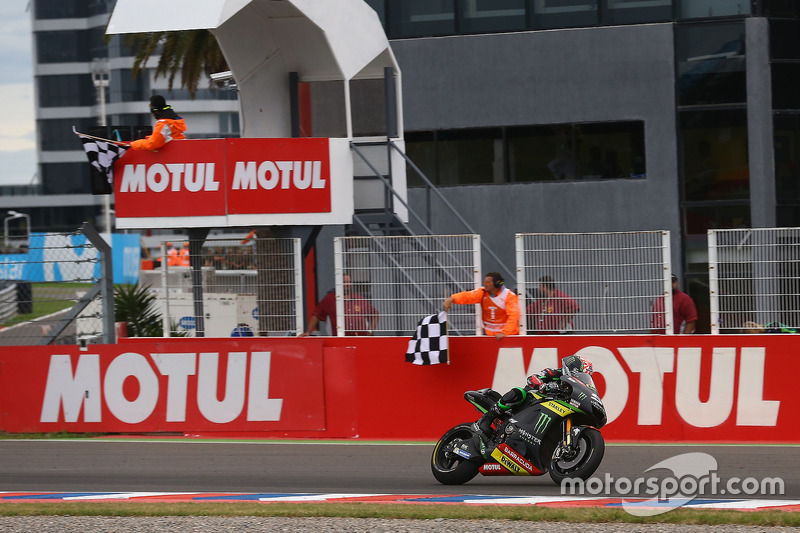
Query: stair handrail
431, 187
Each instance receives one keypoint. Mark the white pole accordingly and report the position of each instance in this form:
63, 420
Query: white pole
100, 74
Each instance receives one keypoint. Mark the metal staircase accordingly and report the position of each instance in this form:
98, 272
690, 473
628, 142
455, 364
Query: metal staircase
376, 215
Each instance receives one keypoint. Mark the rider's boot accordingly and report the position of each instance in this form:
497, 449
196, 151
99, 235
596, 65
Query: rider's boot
484, 423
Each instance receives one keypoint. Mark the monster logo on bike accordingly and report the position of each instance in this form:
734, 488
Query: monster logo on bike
565, 415
541, 424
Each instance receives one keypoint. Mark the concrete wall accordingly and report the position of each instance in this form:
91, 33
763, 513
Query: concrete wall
581, 75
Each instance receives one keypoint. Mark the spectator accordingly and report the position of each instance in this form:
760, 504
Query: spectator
172, 255
499, 305
684, 312
360, 317
183, 256
551, 313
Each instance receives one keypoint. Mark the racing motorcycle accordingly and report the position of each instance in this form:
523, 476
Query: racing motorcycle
555, 430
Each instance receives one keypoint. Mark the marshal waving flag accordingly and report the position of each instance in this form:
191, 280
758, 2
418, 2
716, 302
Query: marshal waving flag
428, 346
102, 153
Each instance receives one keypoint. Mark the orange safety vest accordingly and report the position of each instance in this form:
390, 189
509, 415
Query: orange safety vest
165, 130
500, 313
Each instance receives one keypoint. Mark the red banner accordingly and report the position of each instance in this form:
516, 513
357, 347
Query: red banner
278, 176
181, 179
693, 388
169, 387
235, 182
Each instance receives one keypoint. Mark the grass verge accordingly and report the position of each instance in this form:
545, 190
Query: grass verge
401, 511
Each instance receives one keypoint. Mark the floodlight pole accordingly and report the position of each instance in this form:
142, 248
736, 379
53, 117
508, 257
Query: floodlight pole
100, 77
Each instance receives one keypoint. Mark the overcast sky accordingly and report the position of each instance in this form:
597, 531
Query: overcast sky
17, 127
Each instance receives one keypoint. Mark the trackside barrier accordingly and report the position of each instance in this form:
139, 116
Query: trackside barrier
715, 388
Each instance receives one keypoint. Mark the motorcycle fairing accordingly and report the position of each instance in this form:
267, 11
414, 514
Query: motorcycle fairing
515, 463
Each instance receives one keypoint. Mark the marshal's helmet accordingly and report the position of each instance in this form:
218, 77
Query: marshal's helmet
577, 363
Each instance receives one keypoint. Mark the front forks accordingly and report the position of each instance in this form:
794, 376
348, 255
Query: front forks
565, 450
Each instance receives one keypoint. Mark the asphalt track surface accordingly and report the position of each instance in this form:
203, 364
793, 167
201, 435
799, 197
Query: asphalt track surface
311, 467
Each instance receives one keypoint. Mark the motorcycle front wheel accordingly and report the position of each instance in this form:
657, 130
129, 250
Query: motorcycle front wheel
588, 452
448, 467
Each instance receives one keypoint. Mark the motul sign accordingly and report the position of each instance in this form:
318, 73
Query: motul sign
236, 182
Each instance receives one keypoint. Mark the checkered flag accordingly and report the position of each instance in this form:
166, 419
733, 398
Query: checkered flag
428, 346
102, 154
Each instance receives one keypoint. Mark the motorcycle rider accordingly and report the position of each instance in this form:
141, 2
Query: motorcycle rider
543, 382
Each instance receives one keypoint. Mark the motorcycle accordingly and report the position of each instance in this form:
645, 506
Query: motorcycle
555, 430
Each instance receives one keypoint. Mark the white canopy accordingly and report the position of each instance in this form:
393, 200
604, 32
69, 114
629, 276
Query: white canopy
264, 40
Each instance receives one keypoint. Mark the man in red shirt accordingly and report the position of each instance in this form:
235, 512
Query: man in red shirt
683, 312
552, 312
360, 316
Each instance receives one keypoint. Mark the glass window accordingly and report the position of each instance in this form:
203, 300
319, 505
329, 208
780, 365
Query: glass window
421, 150
787, 159
491, 15
125, 88
97, 44
420, 18
785, 80
714, 8
62, 46
456, 157
564, 13
596, 151
711, 64
66, 90
66, 178
60, 9
56, 134
99, 7
784, 39
699, 219
635, 11
380, 8
781, 7
576, 151
714, 161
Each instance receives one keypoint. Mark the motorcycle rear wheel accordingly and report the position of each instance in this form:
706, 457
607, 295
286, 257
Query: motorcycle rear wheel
590, 450
448, 467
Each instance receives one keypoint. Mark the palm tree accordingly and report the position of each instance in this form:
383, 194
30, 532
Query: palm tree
193, 53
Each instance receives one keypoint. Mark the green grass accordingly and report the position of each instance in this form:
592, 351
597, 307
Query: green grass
48, 298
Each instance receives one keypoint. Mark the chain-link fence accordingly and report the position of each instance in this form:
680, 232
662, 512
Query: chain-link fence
594, 282
406, 278
250, 287
55, 290
754, 280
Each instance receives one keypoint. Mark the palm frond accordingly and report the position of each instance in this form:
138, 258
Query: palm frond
188, 53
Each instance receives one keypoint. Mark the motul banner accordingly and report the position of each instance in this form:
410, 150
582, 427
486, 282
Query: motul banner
235, 182
676, 388
164, 387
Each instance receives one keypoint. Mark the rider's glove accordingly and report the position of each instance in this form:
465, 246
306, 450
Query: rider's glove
548, 374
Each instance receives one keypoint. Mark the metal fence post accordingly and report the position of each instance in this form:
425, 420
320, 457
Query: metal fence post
521, 292
476, 261
713, 281
338, 272
106, 281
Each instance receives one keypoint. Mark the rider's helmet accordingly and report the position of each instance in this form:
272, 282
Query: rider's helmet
577, 363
